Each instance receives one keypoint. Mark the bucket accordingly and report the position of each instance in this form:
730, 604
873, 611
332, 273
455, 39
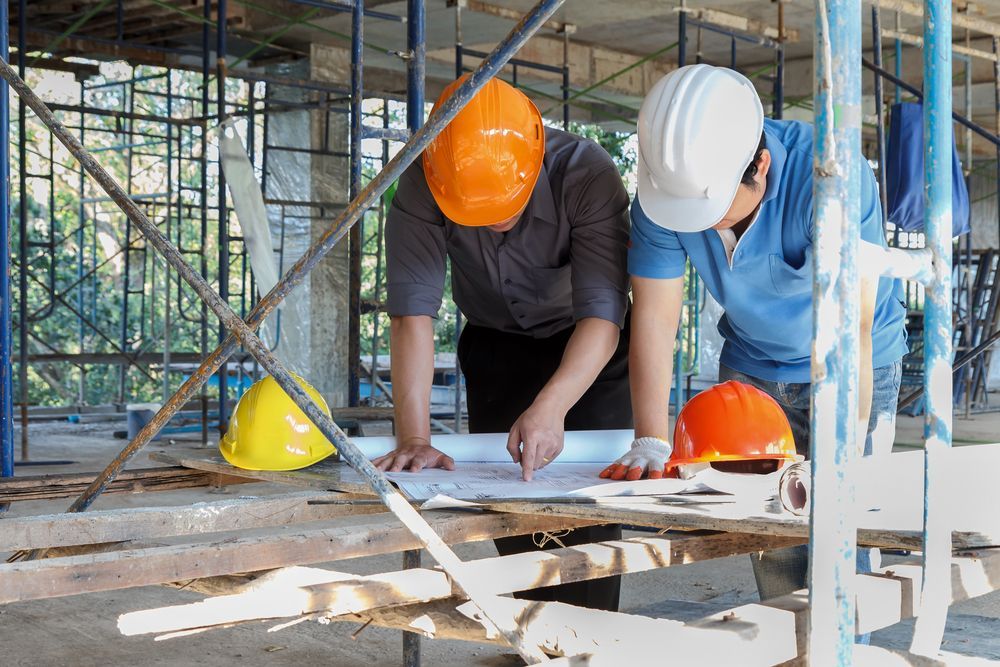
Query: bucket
138, 415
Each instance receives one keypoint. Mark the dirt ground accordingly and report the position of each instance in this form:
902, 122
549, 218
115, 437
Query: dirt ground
82, 631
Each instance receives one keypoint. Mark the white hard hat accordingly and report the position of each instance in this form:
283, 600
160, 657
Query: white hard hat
699, 128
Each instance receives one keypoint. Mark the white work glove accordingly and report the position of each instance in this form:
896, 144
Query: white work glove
647, 457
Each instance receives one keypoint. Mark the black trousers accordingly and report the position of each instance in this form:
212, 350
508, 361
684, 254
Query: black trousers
503, 374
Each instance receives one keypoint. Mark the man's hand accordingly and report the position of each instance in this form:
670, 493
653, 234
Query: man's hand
536, 439
414, 457
648, 456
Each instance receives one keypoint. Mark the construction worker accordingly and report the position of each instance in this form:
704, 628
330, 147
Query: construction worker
731, 191
534, 221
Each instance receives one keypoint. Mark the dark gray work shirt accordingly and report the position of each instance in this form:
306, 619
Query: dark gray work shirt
565, 260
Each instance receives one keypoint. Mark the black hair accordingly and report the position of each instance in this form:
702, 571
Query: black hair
748, 175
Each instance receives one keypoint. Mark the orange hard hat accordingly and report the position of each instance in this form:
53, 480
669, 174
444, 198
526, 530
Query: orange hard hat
732, 421
483, 166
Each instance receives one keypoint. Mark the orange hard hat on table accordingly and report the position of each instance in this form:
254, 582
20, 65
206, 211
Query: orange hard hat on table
483, 166
732, 421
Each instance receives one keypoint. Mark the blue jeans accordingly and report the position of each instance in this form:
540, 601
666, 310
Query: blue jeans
784, 571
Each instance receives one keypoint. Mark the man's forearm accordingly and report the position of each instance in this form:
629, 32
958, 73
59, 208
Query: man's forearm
590, 346
656, 315
412, 344
651, 363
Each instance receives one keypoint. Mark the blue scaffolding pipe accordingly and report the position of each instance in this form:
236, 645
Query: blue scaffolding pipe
416, 39
836, 320
220, 82
356, 235
879, 111
936, 583
517, 62
6, 338
741, 36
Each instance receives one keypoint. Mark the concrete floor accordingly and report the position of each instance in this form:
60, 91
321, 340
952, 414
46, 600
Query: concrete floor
82, 630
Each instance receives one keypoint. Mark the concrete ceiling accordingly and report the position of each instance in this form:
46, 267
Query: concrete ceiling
608, 37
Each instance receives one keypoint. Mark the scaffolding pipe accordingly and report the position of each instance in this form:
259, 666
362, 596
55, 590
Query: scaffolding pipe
22, 227
356, 235
6, 337
416, 39
203, 193
220, 82
836, 324
879, 112
935, 594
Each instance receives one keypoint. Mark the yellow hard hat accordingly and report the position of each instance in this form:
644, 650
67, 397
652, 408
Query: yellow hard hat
269, 432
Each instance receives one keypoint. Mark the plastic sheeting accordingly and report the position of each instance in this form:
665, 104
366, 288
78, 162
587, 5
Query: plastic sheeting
905, 173
286, 331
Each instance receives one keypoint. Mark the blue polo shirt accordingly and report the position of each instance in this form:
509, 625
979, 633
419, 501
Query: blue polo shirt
767, 290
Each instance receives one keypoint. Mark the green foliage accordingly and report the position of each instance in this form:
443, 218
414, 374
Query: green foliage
619, 145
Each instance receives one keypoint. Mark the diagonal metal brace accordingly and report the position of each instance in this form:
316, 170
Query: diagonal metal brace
242, 332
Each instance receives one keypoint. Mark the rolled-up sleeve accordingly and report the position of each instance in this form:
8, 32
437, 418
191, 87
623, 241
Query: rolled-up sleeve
415, 249
599, 244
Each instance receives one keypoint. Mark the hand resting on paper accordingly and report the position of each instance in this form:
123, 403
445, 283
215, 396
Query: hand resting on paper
413, 457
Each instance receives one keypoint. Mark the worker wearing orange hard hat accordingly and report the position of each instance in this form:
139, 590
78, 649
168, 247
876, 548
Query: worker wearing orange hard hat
534, 222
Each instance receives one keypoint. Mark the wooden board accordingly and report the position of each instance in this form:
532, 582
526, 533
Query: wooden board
327, 475
352, 537
144, 523
900, 529
48, 487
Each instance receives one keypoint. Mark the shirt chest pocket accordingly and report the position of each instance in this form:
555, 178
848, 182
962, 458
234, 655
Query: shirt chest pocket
789, 281
552, 285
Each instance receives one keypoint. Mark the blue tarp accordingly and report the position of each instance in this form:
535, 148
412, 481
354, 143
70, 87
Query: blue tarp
905, 173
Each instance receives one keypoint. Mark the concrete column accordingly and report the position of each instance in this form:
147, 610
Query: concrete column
314, 317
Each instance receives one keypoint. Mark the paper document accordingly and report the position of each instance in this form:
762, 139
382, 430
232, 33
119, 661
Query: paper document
491, 481
485, 481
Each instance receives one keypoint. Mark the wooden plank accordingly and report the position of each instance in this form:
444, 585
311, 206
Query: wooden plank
730, 518
756, 633
119, 525
351, 538
309, 590
897, 524
49, 487
327, 475
559, 629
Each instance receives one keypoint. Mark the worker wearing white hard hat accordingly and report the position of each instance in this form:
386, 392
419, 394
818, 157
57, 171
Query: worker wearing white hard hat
731, 192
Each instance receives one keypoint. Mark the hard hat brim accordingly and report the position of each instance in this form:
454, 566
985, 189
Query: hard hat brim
681, 214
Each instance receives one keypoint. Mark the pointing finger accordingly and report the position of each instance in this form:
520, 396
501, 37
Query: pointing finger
514, 444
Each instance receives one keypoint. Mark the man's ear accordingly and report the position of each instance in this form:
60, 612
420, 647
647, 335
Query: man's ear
763, 166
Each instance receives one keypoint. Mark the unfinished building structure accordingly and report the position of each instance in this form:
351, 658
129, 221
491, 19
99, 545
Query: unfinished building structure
139, 128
